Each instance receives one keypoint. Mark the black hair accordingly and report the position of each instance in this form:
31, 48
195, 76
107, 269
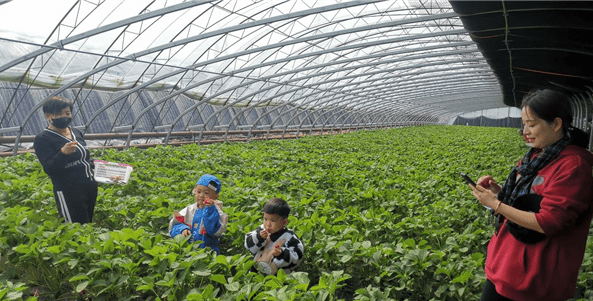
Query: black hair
548, 105
277, 206
55, 105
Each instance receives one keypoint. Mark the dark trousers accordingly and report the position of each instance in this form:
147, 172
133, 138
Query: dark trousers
77, 204
489, 293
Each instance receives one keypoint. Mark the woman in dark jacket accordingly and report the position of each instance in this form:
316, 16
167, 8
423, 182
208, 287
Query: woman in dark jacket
62, 153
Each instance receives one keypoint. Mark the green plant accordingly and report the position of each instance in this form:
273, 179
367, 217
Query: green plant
383, 215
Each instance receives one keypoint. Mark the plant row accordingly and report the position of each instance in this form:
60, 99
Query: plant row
383, 215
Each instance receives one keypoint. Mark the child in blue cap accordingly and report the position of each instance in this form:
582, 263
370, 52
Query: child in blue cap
203, 220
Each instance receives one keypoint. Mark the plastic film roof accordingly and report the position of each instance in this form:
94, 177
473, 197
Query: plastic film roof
188, 65
534, 44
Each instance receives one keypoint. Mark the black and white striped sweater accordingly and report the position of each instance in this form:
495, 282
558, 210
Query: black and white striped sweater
292, 249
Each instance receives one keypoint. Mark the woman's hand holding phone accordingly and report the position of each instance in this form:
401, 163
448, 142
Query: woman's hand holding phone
467, 179
488, 182
485, 182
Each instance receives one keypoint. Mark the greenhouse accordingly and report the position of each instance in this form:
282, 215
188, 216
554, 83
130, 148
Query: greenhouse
360, 114
238, 70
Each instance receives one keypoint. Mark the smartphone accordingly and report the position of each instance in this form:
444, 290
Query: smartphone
467, 179
470, 182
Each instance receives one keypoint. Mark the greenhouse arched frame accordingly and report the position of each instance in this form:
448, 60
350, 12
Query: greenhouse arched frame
175, 72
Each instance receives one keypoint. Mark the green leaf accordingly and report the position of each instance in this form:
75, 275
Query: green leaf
218, 278
79, 277
410, 243
221, 259
345, 258
145, 287
194, 295
54, 249
442, 271
462, 278
233, 287
81, 286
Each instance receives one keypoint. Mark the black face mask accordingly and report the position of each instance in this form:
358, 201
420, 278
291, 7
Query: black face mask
61, 123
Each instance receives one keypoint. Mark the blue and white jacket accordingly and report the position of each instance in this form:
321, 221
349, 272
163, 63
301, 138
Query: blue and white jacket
206, 224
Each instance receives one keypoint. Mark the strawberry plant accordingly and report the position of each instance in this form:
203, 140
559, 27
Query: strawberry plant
383, 215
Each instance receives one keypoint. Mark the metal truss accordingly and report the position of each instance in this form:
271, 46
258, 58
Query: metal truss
336, 64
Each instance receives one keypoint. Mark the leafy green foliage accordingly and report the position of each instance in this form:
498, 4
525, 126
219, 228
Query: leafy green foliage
383, 215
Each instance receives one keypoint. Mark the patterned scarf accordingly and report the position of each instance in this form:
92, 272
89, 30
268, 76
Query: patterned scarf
528, 170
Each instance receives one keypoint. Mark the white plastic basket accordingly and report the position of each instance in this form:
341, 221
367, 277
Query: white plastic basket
112, 173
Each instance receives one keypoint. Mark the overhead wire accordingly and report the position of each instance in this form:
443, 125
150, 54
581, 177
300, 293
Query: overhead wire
506, 43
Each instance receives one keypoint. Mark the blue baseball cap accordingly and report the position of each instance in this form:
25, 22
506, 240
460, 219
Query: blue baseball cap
209, 181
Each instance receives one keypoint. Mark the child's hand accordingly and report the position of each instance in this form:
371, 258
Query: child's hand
264, 234
186, 232
277, 251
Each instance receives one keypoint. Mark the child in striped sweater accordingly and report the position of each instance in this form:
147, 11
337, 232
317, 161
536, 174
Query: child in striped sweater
275, 246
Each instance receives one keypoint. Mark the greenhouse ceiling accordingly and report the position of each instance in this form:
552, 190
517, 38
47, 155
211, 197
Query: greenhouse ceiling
163, 66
